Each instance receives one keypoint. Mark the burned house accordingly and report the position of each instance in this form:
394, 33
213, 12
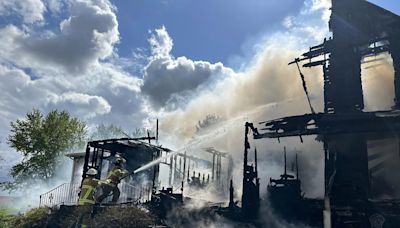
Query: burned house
200, 171
359, 29
100, 155
182, 168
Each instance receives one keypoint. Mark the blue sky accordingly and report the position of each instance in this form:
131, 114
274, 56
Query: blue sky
390, 5
207, 30
202, 30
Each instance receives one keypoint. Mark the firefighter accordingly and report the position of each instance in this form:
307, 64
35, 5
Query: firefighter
86, 198
89, 185
112, 181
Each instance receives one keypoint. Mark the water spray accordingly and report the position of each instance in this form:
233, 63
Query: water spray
222, 129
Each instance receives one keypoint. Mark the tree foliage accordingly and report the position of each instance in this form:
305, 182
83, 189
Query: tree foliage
110, 131
141, 132
41, 140
207, 122
107, 131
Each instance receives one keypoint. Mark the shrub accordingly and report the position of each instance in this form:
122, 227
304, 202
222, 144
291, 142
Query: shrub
36, 217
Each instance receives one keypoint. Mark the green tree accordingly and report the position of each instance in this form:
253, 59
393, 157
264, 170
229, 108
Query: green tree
110, 131
107, 131
141, 132
41, 140
207, 122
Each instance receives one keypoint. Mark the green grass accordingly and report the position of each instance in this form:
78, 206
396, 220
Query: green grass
36, 217
6, 216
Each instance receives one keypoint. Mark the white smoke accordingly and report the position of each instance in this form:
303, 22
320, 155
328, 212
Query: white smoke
377, 76
29, 197
266, 89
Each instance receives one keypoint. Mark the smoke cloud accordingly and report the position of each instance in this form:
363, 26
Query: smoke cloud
378, 82
265, 89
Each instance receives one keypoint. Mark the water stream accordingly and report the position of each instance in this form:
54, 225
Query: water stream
218, 131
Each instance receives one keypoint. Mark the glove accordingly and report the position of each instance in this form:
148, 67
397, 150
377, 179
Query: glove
104, 182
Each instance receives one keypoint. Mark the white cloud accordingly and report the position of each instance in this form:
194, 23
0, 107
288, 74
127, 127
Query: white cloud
55, 6
319, 6
79, 104
30, 11
169, 78
288, 22
20, 94
68, 69
18, 91
170, 81
161, 43
86, 37
121, 90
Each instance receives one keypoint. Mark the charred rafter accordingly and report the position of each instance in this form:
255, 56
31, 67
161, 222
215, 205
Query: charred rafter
322, 124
